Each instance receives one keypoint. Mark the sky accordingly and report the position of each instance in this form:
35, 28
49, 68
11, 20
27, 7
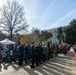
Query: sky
48, 14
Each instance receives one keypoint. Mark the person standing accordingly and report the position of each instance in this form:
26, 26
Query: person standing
27, 53
51, 51
75, 52
56, 50
40, 53
43, 52
33, 55
64, 49
37, 54
21, 51
11, 55
48, 45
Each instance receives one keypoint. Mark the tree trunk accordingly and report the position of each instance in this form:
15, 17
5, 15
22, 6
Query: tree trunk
11, 35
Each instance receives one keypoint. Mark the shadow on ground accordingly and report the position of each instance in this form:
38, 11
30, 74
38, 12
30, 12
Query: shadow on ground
54, 66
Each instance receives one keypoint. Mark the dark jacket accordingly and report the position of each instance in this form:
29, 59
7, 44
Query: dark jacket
21, 50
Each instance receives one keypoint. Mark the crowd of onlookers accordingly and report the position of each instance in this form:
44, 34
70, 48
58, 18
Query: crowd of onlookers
33, 54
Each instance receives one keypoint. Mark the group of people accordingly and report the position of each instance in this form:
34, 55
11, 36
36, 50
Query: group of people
33, 54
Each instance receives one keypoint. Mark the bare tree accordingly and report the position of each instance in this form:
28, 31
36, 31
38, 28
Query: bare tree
13, 18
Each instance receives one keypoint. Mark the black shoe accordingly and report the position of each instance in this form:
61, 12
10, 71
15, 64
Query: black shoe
40, 63
44, 61
20, 65
32, 66
37, 64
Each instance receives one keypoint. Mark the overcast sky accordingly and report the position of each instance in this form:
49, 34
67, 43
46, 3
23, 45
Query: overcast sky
47, 14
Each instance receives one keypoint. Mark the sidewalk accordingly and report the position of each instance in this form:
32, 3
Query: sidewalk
61, 65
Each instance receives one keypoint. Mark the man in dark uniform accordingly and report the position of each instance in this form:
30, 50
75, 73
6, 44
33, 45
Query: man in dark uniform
33, 55
21, 51
37, 54
26, 53
43, 52
48, 45
40, 53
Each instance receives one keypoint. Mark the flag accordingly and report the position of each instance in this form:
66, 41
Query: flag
57, 40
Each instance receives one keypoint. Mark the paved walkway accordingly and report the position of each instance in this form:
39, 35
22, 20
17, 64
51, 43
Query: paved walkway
61, 65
